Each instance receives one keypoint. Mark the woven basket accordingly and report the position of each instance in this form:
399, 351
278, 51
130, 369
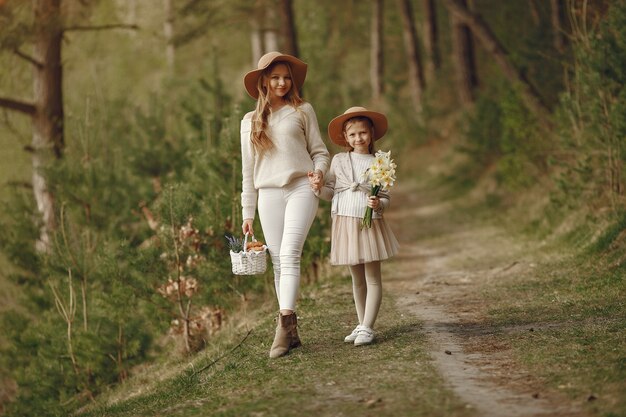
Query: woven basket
249, 262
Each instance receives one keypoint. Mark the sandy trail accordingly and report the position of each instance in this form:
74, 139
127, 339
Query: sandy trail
437, 277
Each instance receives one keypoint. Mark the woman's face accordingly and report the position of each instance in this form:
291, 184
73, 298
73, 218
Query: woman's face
358, 134
278, 82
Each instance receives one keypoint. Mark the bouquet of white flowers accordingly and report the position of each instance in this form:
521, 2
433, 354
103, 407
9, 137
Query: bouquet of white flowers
380, 176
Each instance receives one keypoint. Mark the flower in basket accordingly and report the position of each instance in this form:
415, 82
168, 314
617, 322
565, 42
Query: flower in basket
235, 244
381, 175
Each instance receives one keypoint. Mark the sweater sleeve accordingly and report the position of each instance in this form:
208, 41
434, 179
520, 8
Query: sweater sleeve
328, 189
248, 191
385, 200
315, 145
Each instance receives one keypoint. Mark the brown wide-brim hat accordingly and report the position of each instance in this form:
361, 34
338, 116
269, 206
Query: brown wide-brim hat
335, 127
298, 71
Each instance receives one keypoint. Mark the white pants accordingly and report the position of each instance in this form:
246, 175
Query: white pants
286, 216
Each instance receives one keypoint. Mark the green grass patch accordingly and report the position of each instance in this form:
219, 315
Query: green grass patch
571, 318
15, 164
324, 377
15, 167
613, 235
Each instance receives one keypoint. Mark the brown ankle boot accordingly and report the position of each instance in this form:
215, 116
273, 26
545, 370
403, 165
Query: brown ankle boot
286, 336
295, 339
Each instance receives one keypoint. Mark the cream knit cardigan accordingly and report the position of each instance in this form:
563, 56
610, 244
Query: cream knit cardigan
298, 149
347, 191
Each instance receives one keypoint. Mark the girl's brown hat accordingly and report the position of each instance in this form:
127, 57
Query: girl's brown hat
335, 127
298, 71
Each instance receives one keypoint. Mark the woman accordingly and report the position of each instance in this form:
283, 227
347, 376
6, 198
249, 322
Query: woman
284, 160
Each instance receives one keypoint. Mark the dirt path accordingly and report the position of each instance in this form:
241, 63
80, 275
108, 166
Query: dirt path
443, 263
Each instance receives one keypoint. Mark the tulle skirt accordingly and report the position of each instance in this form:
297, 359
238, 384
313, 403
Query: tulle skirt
352, 245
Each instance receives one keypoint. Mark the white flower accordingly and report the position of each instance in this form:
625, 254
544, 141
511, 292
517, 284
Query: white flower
380, 176
382, 172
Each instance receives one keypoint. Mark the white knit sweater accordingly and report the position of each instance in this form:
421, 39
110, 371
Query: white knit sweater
298, 149
347, 189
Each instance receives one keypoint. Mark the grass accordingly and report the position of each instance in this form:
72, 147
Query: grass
325, 377
574, 314
561, 308
574, 302
14, 161
14, 167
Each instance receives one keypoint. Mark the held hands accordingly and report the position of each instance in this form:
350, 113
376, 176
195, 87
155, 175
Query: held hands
316, 179
246, 227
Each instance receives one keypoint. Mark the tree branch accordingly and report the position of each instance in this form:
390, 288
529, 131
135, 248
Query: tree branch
8, 124
20, 184
488, 40
189, 7
205, 367
101, 27
26, 108
28, 58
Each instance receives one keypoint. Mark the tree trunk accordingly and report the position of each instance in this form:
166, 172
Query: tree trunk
290, 38
264, 32
270, 40
557, 12
132, 14
485, 36
376, 64
168, 31
256, 42
416, 73
534, 12
464, 58
270, 32
431, 39
48, 142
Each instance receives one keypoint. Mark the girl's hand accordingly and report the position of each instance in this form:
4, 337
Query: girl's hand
246, 227
315, 179
373, 202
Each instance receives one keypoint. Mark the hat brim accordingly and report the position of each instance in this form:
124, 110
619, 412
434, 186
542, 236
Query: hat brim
298, 72
335, 127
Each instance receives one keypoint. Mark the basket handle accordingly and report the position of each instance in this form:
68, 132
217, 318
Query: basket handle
245, 242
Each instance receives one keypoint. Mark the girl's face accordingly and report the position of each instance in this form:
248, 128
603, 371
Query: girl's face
358, 134
278, 82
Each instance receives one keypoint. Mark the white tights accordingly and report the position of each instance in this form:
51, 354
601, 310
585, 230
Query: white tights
286, 216
368, 291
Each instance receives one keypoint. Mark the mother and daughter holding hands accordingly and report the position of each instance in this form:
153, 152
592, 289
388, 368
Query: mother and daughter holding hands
286, 168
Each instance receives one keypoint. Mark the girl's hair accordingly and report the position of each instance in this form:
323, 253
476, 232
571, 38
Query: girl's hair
261, 141
368, 122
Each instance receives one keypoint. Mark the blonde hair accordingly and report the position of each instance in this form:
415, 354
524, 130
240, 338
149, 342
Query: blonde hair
362, 119
260, 139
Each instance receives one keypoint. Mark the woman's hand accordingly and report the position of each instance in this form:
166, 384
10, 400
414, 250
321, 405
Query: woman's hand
246, 227
316, 179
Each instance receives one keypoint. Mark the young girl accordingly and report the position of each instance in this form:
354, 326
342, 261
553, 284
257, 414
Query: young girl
283, 158
361, 249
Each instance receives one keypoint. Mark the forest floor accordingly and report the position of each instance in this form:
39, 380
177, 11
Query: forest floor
516, 325
446, 261
476, 320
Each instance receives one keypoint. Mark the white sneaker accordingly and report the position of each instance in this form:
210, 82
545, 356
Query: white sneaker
364, 336
352, 336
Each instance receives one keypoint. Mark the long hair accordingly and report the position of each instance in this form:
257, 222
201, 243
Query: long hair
362, 119
260, 139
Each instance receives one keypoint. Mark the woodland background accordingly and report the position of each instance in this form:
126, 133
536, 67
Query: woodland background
119, 152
